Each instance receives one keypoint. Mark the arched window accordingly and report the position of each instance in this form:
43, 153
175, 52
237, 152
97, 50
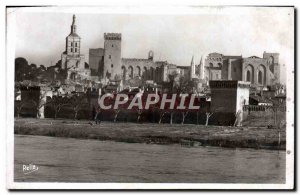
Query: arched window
248, 76
138, 71
249, 73
260, 77
271, 63
271, 60
130, 72
145, 73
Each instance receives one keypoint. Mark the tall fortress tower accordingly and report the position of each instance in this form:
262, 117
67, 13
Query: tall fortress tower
112, 56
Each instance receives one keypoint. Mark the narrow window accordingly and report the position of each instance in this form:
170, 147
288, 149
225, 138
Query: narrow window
112, 65
260, 79
112, 45
71, 49
72, 44
109, 56
248, 78
75, 49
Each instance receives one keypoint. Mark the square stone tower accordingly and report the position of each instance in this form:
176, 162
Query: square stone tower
273, 62
228, 99
112, 56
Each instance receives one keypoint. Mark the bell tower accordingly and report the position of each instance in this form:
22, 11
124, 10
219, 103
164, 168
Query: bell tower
71, 59
73, 40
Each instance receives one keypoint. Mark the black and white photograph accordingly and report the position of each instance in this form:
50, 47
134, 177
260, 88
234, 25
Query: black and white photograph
194, 97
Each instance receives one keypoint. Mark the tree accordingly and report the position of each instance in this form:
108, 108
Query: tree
42, 68
19, 106
166, 109
139, 112
208, 115
39, 103
161, 115
57, 103
171, 116
76, 102
33, 66
209, 112
183, 84
172, 77
21, 68
116, 111
184, 114
185, 111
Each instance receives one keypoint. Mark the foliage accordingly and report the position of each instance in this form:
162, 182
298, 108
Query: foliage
32, 72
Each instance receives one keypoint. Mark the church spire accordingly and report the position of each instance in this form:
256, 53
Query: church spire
200, 69
192, 70
74, 17
73, 26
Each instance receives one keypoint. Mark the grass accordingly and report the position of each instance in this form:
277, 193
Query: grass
233, 137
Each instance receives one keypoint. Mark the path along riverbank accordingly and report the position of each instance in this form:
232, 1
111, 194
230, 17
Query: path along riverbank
187, 135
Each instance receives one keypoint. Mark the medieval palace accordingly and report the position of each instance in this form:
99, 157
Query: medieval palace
107, 64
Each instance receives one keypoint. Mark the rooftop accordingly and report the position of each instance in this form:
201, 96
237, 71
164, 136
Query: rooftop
73, 35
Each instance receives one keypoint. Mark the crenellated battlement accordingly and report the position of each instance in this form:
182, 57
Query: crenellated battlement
112, 36
135, 59
229, 84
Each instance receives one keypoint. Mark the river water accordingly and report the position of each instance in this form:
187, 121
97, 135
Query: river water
75, 160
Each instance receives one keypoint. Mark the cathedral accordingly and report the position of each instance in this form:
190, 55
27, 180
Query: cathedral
260, 72
72, 61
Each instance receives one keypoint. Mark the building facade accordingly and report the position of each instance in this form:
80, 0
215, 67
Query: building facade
258, 71
108, 63
228, 99
96, 61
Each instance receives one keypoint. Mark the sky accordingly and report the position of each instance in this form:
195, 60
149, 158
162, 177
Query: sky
174, 34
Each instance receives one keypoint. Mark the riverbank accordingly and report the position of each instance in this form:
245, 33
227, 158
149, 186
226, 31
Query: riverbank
150, 133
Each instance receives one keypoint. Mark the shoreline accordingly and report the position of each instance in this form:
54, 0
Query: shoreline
187, 135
